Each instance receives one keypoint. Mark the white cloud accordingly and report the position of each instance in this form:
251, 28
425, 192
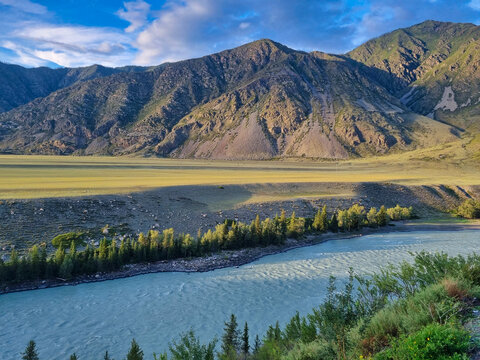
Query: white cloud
136, 13
25, 6
23, 56
71, 45
474, 4
191, 28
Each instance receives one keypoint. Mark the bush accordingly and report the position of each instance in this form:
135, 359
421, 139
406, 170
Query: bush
66, 239
440, 342
400, 213
318, 349
470, 209
438, 303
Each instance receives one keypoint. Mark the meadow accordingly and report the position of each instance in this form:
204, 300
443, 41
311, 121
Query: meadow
31, 176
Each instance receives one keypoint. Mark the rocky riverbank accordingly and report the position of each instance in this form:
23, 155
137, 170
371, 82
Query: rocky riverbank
231, 258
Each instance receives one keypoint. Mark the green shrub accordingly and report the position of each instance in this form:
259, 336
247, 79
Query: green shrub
438, 303
470, 209
400, 213
318, 349
66, 239
440, 342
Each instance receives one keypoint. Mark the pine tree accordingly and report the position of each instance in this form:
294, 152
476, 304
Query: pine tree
230, 338
382, 218
292, 226
59, 255
34, 255
323, 219
106, 356
320, 222
372, 217
316, 221
135, 353
283, 225
73, 357
30, 352
333, 224
256, 345
245, 344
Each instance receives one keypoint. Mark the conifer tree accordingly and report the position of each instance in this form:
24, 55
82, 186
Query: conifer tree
135, 353
372, 217
30, 352
34, 255
106, 356
382, 218
333, 223
73, 357
245, 343
292, 226
256, 345
316, 221
230, 338
283, 225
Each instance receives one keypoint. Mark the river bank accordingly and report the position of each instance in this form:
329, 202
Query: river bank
235, 258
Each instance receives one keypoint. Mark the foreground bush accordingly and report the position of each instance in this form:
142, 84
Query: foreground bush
435, 341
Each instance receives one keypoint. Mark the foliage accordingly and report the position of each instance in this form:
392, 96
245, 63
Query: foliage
400, 213
435, 341
230, 339
30, 352
469, 209
154, 246
135, 353
190, 348
66, 239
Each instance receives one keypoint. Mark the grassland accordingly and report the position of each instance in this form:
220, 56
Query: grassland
23, 177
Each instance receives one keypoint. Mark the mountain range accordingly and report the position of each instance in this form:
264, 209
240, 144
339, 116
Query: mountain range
412, 88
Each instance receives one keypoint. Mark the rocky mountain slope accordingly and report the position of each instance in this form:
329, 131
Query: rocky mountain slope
401, 91
433, 67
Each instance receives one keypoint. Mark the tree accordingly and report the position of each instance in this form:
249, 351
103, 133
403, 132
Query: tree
30, 352
382, 218
135, 353
66, 268
256, 345
73, 357
333, 223
292, 226
470, 209
372, 217
189, 348
66, 239
230, 338
245, 344
106, 356
320, 222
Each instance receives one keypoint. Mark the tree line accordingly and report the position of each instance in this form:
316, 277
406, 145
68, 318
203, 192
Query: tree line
111, 255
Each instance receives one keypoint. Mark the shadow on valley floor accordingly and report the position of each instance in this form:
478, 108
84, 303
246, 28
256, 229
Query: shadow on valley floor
188, 208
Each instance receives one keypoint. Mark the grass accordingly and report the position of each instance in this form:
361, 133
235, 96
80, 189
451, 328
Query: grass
54, 176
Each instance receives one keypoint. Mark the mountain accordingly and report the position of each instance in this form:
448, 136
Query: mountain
19, 85
433, 67
258, 101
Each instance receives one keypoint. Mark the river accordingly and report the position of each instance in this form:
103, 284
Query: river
154, 308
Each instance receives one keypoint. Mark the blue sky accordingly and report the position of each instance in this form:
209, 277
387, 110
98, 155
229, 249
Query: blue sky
148, 32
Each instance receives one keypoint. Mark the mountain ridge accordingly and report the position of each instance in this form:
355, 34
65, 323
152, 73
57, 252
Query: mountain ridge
261, 100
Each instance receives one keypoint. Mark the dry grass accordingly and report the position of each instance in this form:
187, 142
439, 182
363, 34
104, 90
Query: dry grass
54, 176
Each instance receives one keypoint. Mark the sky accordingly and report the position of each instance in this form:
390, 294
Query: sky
72, 33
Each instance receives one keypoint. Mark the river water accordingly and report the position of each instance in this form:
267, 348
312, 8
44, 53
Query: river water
155, 308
